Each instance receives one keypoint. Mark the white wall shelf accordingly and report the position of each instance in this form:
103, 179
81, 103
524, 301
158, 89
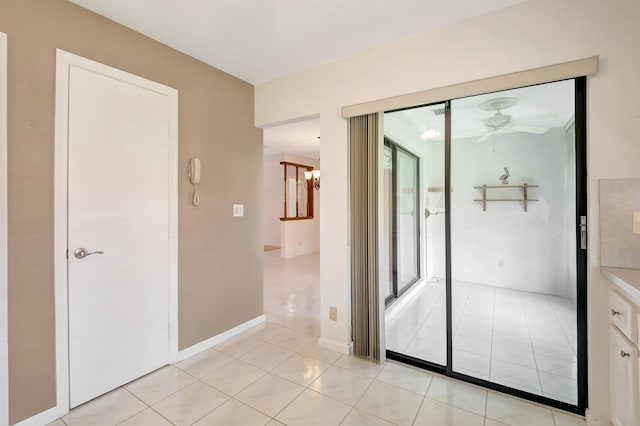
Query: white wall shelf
525, 194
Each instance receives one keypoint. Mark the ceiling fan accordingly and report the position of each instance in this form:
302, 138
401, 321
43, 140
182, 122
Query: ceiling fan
500, 122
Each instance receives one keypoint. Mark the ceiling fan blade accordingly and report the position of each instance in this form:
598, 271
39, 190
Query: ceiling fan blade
528, 129
467, 133
538, 118
484, 137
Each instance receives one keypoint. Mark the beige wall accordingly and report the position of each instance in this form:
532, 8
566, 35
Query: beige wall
220, 257
528, 35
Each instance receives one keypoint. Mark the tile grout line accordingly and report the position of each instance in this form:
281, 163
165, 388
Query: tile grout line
493, 330
304, 389
422, 402
533, 350
555, 311
307, 387
555, 314
211, 411
364, 393
493, 327
486, 404
197, 379
148, 407
535, 358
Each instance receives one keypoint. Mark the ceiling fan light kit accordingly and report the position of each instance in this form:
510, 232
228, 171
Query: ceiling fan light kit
427, 134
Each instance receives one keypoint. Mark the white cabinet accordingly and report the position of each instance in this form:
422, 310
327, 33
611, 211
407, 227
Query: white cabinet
624, 360
623, 379
622, 315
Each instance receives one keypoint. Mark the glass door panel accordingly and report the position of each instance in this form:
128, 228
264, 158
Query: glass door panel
416, 321
513, 239
406, 215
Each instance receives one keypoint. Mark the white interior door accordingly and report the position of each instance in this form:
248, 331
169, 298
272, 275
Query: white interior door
118, 204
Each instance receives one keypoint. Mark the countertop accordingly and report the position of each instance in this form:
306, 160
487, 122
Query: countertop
627, 279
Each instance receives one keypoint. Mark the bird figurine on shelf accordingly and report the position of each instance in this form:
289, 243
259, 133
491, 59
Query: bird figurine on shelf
505, 177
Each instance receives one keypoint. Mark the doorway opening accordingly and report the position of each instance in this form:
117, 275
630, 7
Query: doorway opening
292, 188
502, 301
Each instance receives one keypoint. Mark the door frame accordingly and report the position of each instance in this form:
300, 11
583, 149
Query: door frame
64, 61
580, 156
4, 303
397, 293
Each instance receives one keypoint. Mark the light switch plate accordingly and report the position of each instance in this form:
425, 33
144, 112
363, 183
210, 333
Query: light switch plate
636, 223
238, 210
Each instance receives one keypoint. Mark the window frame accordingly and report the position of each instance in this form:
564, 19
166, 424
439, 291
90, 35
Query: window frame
309, 187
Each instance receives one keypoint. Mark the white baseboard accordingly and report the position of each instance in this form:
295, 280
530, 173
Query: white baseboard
336, 346
592, 420
212, 341
53, 414
43, 418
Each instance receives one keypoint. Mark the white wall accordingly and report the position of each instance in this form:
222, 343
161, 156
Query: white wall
273, 199
300, 237
529, 35
504, 246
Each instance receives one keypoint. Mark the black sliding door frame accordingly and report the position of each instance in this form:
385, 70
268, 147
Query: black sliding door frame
397, 292
581, 255
580, 98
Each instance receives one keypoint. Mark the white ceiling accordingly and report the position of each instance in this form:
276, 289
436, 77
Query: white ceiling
261, 40
299, 138
547, 106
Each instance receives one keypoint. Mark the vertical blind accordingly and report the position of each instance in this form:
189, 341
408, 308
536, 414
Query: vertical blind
363, 145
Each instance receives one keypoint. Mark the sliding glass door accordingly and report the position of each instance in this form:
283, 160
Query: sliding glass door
401, 217
509, 303
417, 326
406, 234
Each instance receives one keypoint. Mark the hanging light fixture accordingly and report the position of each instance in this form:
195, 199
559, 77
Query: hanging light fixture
313, 178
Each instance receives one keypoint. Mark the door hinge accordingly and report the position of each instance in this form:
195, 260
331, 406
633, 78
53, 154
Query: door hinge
67, 254
583, 232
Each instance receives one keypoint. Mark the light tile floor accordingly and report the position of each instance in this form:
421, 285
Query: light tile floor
276, 373
519, 339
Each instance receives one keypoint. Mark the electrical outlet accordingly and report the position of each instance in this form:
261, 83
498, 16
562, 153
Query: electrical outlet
238, 210
636, 223
333, 313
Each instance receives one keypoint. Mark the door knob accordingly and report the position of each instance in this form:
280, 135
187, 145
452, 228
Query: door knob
81, 253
